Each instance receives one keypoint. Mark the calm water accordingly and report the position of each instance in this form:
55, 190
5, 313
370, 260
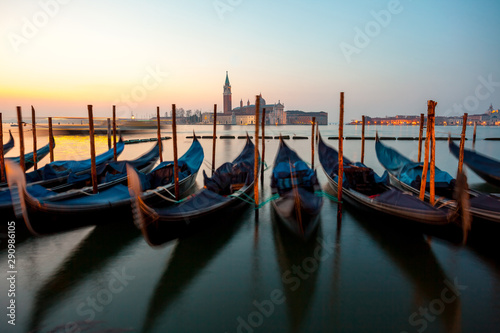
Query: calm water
248, 275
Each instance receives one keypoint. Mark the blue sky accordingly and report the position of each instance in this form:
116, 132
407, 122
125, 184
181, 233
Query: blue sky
140, 54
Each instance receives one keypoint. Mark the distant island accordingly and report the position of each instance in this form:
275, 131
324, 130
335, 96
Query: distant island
274, 113
490, 118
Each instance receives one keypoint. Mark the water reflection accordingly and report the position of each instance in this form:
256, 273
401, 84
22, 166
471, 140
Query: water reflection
299, 264
412, 252
188, 259
91, 255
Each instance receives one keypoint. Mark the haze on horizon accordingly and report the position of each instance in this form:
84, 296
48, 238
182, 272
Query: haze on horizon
389, 57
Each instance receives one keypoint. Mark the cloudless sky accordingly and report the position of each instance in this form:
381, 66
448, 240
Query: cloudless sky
103, 53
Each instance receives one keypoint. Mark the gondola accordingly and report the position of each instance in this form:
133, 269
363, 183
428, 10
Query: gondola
407, 174
363, 188
484, 166
54, 175
223, 194
298, 205
108, 174
9, 145
5, 196
29, 161
43, 214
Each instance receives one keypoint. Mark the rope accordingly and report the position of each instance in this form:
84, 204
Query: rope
243, 199
161, 196
251, 201
326, 195
246, 195
274, 197
240, 194
80, 191
172, 195
166, 198
444, 204
208, 164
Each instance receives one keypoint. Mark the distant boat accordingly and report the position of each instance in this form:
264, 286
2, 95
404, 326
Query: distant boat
100, 126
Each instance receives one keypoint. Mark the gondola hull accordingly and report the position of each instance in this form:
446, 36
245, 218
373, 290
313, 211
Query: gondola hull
161, 229
358, 200
223, 195
45, 211
484, 166
298, 206
51, 217
143, 163
478, 209
377, 196
29, 160
299, 212
9, 145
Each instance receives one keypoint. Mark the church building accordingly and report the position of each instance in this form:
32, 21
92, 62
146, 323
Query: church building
245, 114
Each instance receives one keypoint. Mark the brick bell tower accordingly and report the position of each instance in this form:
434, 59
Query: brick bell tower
227, 96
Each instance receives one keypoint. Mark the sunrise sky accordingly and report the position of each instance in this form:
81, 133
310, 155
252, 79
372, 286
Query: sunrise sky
389, 57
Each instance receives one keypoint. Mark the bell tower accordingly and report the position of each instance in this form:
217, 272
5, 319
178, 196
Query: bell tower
227, 96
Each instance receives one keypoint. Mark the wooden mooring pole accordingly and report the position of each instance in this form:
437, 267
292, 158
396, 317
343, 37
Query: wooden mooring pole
21, 137
317, 131
341, 148
420, 134
312, 141
256, 153
158, 125
462, 145
432, 184
115, 155
176, 163
474, 136
51, 141
92, 149
263, 125
2, 161
109, 133
423, 182
33, 124
214, 139
363, 140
